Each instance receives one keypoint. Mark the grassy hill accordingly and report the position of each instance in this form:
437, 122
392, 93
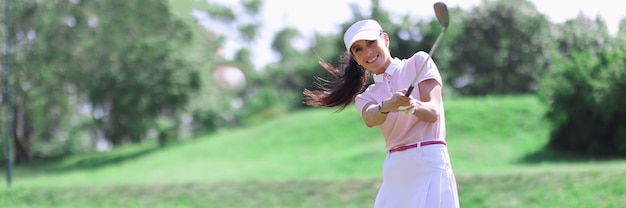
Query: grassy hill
317, 158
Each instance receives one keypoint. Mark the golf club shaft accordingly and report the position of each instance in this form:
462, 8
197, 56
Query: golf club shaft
432, 50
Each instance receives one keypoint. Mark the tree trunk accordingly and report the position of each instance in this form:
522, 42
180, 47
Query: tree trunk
20, 135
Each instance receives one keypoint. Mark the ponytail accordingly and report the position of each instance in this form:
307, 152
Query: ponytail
347, 84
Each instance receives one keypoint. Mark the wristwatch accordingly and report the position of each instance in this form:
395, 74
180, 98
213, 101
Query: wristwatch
380, 108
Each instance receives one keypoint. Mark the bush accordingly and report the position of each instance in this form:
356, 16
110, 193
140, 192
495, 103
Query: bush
587, 104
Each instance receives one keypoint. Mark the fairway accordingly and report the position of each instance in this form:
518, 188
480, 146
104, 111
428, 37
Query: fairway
317, 158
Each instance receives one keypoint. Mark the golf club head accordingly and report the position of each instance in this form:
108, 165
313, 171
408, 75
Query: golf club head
441, 11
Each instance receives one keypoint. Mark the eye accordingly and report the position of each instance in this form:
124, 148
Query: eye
371, 42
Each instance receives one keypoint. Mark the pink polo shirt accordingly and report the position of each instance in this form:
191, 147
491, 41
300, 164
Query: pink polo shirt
399, 128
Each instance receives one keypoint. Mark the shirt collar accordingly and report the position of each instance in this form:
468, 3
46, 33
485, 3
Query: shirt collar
391, 69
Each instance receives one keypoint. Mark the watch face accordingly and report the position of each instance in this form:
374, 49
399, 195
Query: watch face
380, 109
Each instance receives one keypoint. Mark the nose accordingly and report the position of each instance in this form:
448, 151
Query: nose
370, 51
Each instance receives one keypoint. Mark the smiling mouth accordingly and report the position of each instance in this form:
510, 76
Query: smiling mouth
372, 60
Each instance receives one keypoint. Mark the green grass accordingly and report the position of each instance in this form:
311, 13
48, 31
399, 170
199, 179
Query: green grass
317, 158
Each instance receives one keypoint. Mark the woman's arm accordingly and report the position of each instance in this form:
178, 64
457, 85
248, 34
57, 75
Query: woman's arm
371, 116
375, 114
427, 109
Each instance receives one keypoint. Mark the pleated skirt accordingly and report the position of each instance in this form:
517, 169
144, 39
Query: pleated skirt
421, 177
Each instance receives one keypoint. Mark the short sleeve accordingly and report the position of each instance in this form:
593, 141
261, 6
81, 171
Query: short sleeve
430, 70
361, 101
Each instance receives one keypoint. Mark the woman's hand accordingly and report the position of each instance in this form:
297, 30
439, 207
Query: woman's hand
375, 113
426, 109
392, 103
408, 109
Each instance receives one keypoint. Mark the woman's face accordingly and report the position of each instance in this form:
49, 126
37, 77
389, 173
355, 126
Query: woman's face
373, 55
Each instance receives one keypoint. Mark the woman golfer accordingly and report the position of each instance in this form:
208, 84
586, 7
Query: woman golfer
417, 171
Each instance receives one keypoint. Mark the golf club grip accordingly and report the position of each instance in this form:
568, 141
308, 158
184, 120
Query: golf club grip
409, 91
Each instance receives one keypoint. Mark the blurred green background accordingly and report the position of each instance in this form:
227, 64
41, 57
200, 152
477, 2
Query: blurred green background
137, 104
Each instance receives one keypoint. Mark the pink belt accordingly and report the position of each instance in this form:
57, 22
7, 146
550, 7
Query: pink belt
414, 145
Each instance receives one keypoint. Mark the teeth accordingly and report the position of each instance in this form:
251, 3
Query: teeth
372, 60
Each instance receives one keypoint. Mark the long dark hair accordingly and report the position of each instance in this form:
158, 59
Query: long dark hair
348, 81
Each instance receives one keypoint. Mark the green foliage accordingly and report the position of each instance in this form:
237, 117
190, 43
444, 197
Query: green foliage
586, 101
249, 31
583, 34
585, 91
295, 70
142, 58
218, 107
88, 67
283, 44
42, 98
266, 104
445, 54
252, 6
504, 49
221, 12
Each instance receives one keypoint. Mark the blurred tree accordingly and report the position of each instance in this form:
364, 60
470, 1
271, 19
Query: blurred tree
41, 94
278, 89
108, 67
428, 30
504, 49
323, 47
236, 25
585, 90
621, 33
283, 44
582, 33
135, 70
586, 101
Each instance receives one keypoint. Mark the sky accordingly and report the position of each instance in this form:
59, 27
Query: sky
325, 16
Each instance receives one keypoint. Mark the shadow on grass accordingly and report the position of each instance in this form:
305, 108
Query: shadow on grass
67, 163
550, 155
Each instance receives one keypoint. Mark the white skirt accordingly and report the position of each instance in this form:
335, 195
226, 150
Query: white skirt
418, 178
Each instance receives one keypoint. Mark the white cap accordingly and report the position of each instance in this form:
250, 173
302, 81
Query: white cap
367, 29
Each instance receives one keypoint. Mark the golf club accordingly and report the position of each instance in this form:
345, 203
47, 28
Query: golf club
441, 12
